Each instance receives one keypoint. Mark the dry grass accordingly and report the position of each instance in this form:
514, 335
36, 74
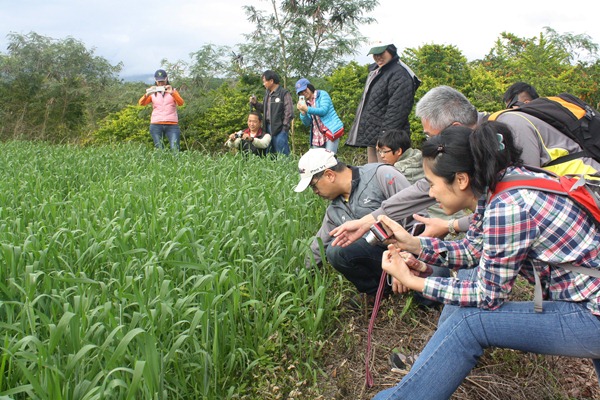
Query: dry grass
501, 373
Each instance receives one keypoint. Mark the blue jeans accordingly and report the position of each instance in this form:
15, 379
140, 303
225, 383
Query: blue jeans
329, 145
279, 142
359, 262
564, 329
172, 132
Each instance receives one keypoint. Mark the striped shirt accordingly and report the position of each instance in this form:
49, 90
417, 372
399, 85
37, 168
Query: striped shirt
520, 229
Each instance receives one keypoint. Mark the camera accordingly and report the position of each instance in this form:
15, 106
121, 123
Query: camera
302, 99
239, 134
155, 89
377, 234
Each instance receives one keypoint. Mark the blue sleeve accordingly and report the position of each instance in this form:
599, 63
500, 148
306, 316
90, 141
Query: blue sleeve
306, 119
322, 105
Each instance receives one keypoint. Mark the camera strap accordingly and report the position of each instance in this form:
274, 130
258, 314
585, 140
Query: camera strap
378, 297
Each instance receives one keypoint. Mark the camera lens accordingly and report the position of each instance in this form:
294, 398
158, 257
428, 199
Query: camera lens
371, 238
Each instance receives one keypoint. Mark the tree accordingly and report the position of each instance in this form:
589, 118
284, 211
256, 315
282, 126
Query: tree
49, 86
304, 37
438, 65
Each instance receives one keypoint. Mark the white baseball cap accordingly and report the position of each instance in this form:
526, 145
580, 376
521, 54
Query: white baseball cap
313, 162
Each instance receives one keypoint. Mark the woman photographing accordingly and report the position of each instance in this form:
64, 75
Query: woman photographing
519, 231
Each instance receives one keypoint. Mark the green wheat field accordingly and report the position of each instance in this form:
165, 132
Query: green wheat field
129, 273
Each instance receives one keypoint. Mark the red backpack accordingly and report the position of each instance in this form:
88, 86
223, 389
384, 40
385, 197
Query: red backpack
584, 192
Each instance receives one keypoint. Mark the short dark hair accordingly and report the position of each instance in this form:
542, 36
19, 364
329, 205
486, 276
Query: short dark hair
512, 93
256, 113
311, 87
395, 139
268, 75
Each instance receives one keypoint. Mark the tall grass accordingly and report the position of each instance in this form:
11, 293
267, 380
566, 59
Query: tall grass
127, 273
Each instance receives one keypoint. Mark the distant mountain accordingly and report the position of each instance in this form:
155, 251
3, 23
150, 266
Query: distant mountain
138, 78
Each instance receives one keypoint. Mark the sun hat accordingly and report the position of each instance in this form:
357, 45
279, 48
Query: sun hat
311, 163
379, 46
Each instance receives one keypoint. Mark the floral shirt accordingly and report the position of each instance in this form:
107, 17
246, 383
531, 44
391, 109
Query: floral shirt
518, 230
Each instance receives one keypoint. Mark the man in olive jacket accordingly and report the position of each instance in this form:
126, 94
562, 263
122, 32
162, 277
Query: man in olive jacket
386, 102
278, 112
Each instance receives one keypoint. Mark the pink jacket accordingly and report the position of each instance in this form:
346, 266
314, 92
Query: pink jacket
164, 107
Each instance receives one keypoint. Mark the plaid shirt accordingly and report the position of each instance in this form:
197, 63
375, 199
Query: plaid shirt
519, 230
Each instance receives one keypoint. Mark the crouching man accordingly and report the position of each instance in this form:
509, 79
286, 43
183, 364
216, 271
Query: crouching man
354, 192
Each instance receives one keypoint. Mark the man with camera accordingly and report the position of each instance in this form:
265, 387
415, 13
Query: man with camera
252, 140
354, 192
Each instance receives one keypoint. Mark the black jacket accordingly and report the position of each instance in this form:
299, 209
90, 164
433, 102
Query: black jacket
281, 119
387, 103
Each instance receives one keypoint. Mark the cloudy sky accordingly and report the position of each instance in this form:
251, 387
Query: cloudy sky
141, 33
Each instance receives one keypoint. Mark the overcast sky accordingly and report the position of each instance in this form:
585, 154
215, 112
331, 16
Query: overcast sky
141, 33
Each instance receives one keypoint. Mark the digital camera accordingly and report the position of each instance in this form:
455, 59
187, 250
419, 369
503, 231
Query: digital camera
239, 134
155, 89
377, 234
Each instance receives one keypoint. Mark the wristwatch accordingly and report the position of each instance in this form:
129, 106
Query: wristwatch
451, 229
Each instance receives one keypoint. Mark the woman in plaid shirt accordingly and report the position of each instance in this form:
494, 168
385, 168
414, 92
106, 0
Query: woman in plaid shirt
518, 232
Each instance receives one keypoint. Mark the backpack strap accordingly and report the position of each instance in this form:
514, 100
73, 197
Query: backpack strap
568, 157
547, 185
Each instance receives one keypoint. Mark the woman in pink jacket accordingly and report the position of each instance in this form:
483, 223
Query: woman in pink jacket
164, 120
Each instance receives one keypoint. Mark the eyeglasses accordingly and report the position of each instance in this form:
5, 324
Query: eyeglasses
312, 185
384, 152
429, 135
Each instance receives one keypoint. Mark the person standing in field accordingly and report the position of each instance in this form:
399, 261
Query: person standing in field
164, 120
317, 112
278, 112
387, 99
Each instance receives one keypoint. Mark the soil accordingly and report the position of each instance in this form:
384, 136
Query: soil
403, 326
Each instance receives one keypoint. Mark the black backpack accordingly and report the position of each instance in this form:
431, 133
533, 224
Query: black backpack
570, 115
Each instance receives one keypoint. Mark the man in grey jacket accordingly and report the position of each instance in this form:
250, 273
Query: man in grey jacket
354, 192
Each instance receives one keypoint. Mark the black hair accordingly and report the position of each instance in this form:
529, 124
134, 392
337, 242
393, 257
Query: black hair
448, 153
257, 114
512, 93
482, 154
311, 87
392, 50
395, 139
493, 148
268, 75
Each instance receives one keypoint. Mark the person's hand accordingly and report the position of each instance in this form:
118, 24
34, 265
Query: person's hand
417, 267
169, 89
401, 237
302, 107
434, 227
351, 231
232, 137
404, 278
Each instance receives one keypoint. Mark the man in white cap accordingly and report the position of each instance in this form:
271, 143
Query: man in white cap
353, 192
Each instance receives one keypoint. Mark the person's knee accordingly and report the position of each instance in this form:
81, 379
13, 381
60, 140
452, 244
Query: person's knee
335, 256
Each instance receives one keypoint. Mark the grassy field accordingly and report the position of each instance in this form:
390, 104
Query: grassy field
128, 273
